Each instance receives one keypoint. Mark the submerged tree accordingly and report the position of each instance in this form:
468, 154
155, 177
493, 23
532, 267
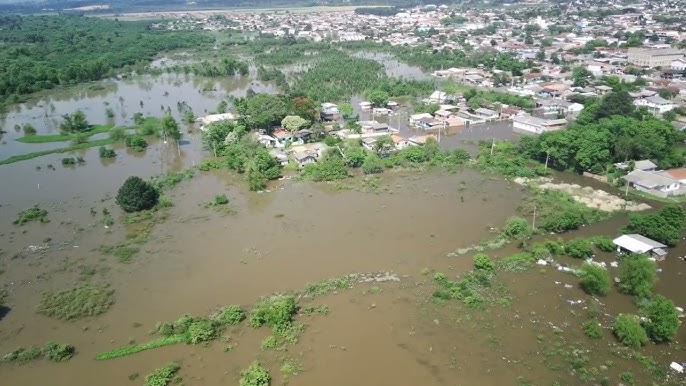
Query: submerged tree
74, 123
136, 195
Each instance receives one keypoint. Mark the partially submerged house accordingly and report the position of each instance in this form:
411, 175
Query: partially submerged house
213, 118
526, 124
305, 157
657, 183
635, 243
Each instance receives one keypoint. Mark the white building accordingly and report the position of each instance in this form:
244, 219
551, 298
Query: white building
656, 104
679, 64
526, 124
213, 118
635, 243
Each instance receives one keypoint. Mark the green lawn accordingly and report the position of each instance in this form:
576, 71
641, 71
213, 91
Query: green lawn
78, 146
97, 129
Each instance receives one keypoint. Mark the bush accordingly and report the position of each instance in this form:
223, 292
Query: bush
136, 195
255, 375
163, 376
29, 129
106, 153
595, 280
517, 228
276, 312
603, 243
33, 213
58, 352
330, 168
136, 142
202, 330
117, 133
628, 330
221, 199
372, 164
78, 302
637, 275
579, 248
592, 329
483, 263
663, 319
230, 315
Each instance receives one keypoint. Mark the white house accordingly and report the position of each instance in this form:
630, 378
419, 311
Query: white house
657, 183
526, 124
437, 97
414, 119
679, 64
656, 104
635, 243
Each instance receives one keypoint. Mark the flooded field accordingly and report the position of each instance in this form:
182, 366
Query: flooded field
403, 224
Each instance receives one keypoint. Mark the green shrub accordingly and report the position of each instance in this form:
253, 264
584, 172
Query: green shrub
33, 213
663, 319
255, 375
136, 195
136, 142
603, 243
202, 330
579, 248
627, 377
269, 343
517, 228
230, 315
517, 262
276, 312
117, 133
628, 330
327, 286
483, 262
29, 129
330, 168
221, 199
637, 275
372, 164
106, 153
163, 376
58, 352
23, 355
595, 280
592, 329
78, 302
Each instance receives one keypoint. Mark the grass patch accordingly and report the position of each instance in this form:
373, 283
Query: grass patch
171, 179
164, 375
134, 349
34, 213
51, 351
123, 252
78, 302
78, 146
327, 286
97, 129
255, 375
557, 211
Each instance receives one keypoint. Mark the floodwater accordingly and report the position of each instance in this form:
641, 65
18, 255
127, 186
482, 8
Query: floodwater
198, 260
150, 95
394, 67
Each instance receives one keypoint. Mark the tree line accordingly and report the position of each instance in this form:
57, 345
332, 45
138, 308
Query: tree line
41, 52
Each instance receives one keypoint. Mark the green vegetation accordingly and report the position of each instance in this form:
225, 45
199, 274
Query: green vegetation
637, 275
276, 312
34, 213
78, 146
664, 226
507, 160
129, 350
607, 131
136, 195
603, 243
558, 212
595, 279
483, 263
517, 262
663, 319
171, 179
231, 315
220, 199
517, 228
579, 248
75, 123
592, 329
629, 332
42, 52
255, 375
194, 329
51, 351
78, 302
468, 289
97, 129
106, 153
136, 142
327, 286
164, 375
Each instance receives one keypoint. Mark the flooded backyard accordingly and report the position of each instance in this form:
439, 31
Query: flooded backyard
404, 223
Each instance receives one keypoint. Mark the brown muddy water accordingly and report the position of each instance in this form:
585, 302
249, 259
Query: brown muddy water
376, 334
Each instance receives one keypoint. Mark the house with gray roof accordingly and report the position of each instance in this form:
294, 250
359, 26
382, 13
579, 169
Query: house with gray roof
635, 243
657, 183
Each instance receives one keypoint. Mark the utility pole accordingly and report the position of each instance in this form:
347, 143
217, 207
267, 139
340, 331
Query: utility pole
547, 155
533, 224
492, 145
